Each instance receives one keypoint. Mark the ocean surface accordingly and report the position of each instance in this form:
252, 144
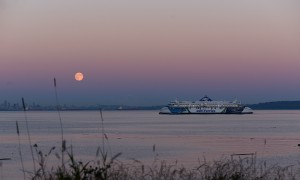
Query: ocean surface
145, 135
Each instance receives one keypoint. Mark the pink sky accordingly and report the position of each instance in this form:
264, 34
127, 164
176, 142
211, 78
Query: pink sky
150, 52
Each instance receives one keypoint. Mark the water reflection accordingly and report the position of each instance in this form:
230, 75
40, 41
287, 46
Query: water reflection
272, 135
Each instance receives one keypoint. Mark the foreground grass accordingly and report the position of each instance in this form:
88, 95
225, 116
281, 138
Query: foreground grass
110, 168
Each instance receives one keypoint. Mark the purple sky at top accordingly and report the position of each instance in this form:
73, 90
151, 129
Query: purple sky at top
138, 52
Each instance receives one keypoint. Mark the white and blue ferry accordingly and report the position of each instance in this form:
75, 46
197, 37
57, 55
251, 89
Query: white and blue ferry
205, 106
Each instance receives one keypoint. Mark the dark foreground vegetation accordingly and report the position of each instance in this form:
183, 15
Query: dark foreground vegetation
104, 167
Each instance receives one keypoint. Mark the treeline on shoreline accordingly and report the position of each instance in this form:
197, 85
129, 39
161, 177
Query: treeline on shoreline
277, 105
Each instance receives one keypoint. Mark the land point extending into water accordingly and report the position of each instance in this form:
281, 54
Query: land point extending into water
7, 106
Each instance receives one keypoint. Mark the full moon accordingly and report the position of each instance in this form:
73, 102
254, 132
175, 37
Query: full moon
78, 76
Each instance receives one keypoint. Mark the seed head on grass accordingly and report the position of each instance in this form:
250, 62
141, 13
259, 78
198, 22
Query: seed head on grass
63, 142
28, 134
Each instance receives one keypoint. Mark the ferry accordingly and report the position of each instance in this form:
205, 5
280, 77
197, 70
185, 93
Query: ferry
205, 106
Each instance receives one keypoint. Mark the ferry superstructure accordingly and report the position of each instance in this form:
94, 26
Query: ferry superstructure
205, 106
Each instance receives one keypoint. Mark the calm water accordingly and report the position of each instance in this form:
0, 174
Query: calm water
273, 135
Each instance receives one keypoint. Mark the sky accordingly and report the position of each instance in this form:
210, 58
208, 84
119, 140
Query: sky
149, 52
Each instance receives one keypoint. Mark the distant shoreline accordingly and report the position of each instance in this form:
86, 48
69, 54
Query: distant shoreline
276, 105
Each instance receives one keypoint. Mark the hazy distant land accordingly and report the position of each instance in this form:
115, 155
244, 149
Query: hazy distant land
6, 106
277, 105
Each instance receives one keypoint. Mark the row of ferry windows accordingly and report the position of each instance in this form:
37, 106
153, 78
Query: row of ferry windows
203, 106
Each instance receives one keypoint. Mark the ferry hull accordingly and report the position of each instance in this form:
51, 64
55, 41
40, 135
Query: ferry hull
183, 110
